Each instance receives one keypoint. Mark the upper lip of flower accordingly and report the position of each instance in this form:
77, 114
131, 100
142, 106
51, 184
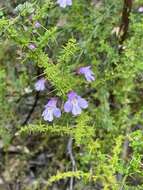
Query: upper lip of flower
72, 95
52, 103
84, 69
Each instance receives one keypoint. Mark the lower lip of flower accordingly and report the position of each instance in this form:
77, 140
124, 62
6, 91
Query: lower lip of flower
74, 101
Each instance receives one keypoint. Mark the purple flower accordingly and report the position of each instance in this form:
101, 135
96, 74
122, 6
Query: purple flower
64, 3
86, 71
40, 84
37, 24
75, 104
31, 46
140, 9
51, 110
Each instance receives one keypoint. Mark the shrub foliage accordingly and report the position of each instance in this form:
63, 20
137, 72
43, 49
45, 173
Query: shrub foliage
104, 143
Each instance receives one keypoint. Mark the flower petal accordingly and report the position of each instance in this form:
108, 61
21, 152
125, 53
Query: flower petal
68, 106
62, 3
69, 2
48, 114
37, 24
82, 102
89, 77
57, 112
140, 9
51, 103
76, 110
40, 85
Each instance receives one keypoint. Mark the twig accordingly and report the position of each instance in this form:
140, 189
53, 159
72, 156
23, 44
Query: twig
125, 146
70, 153
124, 157
127, 7
34, 104
125, 20
32, 109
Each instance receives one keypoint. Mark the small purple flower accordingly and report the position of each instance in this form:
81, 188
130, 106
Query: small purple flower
40, 84
31, 46
64, 3
51, 110
140, 9
86, 71
75, 104
37, 24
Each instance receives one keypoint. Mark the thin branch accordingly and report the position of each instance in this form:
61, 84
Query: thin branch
34, 104
32, 109
127, 7
70, 153
125, 20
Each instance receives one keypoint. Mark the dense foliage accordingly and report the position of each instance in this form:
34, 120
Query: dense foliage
100, 147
